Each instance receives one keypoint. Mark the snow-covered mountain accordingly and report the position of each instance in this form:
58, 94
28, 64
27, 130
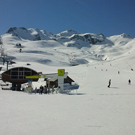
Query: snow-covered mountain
29, 34
66, 48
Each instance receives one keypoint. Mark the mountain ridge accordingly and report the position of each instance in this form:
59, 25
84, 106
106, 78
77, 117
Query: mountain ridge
66, 48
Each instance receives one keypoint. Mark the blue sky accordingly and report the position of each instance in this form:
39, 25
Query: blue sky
110, 17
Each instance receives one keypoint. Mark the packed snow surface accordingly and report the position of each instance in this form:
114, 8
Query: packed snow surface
90, 108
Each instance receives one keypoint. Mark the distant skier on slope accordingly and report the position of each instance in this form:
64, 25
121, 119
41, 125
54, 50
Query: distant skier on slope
109, 83
129, 81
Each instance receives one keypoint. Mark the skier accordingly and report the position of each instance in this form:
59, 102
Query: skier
129, 81
109, 83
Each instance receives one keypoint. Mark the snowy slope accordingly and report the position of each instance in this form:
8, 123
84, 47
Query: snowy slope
92, 109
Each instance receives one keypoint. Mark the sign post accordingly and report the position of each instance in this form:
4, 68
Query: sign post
61, 73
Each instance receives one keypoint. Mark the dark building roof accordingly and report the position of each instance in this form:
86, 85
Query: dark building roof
68, 80
18, 75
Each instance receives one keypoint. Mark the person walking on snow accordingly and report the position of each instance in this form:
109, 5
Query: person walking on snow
48, 90
35, 90
58, 89
41, 89
109, 83
53, 89
45, 90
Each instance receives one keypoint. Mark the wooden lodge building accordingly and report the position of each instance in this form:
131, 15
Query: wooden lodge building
17, 76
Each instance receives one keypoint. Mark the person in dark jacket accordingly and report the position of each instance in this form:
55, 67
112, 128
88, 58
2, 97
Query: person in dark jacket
45, 90
109, 83
129, 81
53, 89
41, 89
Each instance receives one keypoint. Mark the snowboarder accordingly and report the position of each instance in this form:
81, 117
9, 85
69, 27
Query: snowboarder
129, 81
109, 83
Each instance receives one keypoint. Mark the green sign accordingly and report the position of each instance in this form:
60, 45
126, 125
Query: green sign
61, 72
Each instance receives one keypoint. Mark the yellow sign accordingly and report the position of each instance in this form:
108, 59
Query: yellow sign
61, 72
35, 76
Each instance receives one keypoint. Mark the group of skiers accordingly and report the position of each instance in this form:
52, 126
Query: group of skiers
47, 90
129, 82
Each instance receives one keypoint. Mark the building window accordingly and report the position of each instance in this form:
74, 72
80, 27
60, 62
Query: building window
20, 73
